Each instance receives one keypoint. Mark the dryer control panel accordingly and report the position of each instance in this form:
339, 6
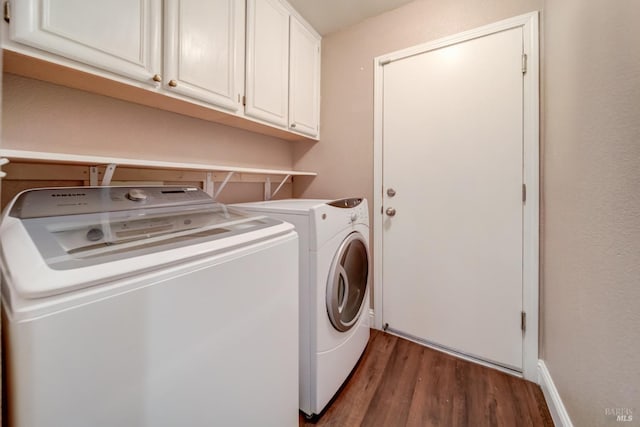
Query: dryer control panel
331, 218
355, 211
346, 203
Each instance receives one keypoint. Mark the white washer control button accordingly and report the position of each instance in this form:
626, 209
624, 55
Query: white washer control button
354, 217
136, 195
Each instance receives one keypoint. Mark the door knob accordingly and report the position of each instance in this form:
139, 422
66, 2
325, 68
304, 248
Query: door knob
391, 192
391, 212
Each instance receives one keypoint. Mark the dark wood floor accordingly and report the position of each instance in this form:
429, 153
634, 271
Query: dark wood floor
400, 383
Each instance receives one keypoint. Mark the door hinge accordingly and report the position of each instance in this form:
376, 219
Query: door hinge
523, 321
524, 193
7, 12
524, 63
244, 100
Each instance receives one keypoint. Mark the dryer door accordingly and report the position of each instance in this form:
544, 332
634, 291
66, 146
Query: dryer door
347, 283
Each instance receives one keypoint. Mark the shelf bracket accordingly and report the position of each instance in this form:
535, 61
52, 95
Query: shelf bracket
267, 189
3, 162
106, 179
209, 185
108, 174
93, 176
222, 185
268, 195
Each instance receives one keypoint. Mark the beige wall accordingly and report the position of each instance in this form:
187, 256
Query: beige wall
591, 196
40, 116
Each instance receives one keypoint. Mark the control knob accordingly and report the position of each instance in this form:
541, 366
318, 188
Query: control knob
354, 216
94, 234
136, 195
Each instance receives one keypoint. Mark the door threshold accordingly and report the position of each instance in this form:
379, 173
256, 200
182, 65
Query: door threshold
443, 349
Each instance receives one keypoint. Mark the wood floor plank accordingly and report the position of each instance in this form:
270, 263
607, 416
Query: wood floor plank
356, 394
519, 396
499, 401
433, 396
392, 400
477, 390
461, 397
537, 405
401, 383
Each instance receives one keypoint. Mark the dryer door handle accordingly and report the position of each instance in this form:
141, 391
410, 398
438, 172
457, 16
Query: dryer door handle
344, 298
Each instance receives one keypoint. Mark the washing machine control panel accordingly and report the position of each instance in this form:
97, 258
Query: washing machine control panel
83, 226
84, 200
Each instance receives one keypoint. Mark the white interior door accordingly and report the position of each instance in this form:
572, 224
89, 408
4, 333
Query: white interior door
453, 153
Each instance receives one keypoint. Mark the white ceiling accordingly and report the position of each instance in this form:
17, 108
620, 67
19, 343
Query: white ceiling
327, 16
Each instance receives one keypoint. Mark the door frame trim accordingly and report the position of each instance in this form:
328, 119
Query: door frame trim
531, 175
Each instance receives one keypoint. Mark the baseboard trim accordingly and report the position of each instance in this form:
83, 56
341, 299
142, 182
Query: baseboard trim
554, 402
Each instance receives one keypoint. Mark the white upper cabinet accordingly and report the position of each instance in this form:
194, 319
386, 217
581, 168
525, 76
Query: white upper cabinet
120, 36
204, 50
304, 80
267, 73
258, 61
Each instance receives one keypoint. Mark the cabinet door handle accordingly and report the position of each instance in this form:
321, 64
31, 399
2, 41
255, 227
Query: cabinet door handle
157, 78
173, 83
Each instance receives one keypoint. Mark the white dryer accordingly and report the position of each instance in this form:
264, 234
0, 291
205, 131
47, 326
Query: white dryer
147, 307
334, 290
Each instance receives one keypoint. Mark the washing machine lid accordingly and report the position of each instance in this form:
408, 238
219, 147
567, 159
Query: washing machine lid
80, 228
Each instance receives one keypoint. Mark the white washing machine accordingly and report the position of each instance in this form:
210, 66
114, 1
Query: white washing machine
334, 290
147, 307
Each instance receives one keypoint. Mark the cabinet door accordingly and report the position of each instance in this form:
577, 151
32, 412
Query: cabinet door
204, 50
120, 36
304, 80
267, 61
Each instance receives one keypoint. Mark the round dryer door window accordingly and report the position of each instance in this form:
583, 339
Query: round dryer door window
347, 284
